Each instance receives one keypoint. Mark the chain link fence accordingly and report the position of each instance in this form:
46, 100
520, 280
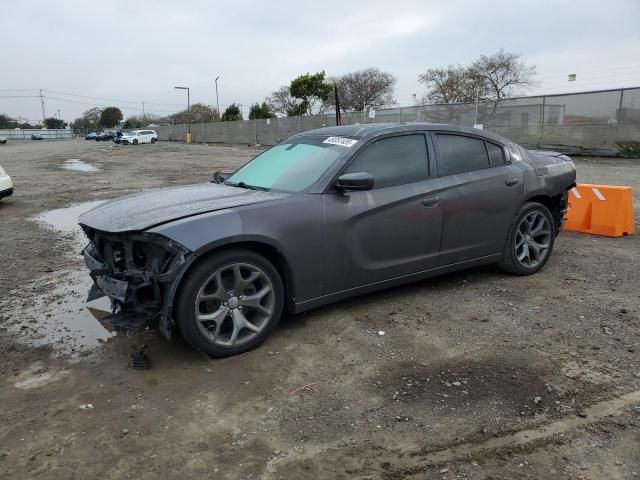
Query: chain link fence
25, 134
591, 123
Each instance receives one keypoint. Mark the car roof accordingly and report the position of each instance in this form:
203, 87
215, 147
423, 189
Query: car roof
365, 131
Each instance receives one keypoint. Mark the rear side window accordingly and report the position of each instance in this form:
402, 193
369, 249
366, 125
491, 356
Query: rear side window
461, 154
394, 161
496, 154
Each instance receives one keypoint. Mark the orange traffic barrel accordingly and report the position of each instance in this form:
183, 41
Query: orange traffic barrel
600, 210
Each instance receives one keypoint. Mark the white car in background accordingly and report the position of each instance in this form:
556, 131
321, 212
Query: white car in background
6, 185
139, 136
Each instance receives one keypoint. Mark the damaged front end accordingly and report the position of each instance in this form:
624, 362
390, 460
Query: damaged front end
139, 272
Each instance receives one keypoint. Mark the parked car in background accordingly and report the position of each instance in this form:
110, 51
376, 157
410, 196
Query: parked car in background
139, 136
118, 137
91, 136
324, 215
36, 136
6, 184
108, 135
3, 140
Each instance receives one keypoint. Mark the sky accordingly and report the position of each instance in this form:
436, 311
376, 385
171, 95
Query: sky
85, 54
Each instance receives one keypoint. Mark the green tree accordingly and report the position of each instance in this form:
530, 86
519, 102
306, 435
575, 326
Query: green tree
133, 122
300, 108
7, 122
54, 123
232, 113
311, 90
260, 111
110, 117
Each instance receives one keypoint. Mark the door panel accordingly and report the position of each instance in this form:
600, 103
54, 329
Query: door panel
478, 210
380, 234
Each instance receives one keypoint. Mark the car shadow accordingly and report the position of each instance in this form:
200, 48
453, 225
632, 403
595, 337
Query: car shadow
439, 284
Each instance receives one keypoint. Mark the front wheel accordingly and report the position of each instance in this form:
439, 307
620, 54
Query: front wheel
135, 142
229, 303
530, 241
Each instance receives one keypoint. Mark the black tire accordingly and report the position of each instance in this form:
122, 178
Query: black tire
198, 276
135, 141
154, 140
516, 241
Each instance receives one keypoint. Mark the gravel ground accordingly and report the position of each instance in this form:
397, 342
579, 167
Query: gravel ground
478, 374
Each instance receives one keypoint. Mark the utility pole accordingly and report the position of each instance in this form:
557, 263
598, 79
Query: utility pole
42, 102
143, 111
188, 104
217, 101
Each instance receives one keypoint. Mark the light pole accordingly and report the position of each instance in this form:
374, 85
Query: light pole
188, 104
217, 101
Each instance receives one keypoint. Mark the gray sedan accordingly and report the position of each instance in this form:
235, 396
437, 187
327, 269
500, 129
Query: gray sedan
324, 215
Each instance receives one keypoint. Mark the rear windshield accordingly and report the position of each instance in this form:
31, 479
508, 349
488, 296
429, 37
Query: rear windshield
291, 166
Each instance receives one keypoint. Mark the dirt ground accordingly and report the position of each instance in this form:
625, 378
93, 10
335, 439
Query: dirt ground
478, 374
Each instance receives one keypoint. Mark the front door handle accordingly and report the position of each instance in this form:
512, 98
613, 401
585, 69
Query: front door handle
430, 202
511, 181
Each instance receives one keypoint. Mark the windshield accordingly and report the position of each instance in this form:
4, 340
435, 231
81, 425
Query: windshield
291, 166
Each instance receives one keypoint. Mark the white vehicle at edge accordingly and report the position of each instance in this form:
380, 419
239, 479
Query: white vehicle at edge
6, 185
139, 136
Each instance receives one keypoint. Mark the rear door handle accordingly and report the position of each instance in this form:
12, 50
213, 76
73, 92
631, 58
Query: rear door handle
430, 202
511, 181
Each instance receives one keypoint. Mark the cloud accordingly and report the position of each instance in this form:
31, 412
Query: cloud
138, 51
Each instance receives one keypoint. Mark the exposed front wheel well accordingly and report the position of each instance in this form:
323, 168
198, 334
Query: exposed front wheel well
555, 204
272, 255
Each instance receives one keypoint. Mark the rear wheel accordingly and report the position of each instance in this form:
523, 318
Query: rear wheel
230, 302
530, 241
154, 140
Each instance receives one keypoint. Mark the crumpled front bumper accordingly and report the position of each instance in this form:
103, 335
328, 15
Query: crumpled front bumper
138, 295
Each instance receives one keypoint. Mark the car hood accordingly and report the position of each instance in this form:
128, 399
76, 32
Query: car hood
150, 208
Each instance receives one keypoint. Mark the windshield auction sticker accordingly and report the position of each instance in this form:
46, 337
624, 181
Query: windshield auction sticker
342, 141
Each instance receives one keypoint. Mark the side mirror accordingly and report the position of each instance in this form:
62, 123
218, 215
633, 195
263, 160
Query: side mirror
220, 176
355, 181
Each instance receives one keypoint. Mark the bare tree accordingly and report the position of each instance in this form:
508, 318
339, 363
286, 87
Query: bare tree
504, 73
198, 113
282, 101
452, 84
370, 88
491, 77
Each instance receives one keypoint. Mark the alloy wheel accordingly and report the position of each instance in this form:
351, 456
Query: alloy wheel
532, 240
234, 304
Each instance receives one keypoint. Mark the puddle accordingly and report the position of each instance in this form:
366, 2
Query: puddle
77, 165
54, 312
65, 220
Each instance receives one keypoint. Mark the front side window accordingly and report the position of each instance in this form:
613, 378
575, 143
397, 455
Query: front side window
460, 154
291, 166
394, 161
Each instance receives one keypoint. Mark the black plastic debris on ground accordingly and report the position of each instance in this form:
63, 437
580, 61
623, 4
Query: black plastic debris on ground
140, 360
